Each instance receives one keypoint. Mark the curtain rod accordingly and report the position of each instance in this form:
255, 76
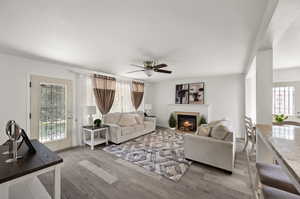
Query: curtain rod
90, 73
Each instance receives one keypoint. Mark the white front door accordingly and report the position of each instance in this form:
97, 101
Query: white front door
51, 105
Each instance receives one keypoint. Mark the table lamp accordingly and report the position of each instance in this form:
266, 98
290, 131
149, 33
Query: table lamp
148, 108
91, 110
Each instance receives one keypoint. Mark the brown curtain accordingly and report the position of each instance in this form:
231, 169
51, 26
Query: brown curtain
104, 91
137, 93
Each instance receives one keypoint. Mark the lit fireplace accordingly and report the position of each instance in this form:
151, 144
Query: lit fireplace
187, 122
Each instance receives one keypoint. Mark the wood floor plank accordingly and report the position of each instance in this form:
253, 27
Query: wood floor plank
101, 173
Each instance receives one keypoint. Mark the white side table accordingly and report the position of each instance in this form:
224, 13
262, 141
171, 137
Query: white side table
92, 131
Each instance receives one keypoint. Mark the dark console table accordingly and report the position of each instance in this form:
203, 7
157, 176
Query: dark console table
25, 170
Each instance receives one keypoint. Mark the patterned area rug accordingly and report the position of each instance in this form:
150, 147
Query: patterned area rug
160, 152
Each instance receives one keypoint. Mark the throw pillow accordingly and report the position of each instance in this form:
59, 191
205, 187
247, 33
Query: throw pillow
219, 132
112, 118
127, 120
224, 122
214, 123
203, 131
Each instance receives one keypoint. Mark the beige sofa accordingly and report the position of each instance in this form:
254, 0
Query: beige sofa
211, 151
123, 127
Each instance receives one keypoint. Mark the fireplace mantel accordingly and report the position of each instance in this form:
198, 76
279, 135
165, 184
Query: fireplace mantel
188, 113
201, 109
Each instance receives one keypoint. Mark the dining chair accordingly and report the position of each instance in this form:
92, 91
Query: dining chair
250, 133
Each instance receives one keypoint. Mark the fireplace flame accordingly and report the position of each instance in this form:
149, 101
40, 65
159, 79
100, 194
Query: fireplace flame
187, 124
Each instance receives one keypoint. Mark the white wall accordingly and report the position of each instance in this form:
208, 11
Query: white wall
14, 80
250, 92
264, 85
148, 93
225, 95
250, 97
286, 75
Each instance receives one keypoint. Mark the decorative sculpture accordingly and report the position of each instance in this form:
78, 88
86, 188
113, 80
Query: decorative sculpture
14, 133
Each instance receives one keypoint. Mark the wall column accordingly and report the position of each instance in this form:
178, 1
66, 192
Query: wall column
264, 86
264, 101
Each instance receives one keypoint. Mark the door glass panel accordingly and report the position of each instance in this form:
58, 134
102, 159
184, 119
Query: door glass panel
53, 123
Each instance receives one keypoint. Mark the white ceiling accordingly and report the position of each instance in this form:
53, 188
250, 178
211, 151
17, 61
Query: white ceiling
287, 51
195, 37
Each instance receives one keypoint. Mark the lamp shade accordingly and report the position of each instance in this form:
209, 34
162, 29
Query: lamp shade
91, 110
148, 106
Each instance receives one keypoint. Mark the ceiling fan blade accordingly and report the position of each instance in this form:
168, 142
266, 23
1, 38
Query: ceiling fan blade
162, 71
138, 66
135, 71
161, 66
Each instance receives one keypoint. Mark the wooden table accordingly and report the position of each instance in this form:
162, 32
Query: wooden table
281, 143
92, 131
25, 171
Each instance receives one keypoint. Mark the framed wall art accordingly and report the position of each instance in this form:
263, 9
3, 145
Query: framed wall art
192, 93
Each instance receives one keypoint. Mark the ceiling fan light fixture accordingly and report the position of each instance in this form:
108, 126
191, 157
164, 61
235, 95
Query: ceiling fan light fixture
149, 73
150, 67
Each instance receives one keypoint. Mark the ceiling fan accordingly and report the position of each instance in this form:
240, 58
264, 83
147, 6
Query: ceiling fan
150, 67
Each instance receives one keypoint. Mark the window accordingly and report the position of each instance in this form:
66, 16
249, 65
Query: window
284, 100
122, 101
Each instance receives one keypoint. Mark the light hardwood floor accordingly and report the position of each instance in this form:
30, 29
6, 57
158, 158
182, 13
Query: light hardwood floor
133, 182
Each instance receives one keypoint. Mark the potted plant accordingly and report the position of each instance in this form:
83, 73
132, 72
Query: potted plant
172, 121
202, 120
280, 118
97, 122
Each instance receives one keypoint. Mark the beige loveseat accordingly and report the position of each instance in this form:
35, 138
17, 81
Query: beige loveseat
126, 126
211, 149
